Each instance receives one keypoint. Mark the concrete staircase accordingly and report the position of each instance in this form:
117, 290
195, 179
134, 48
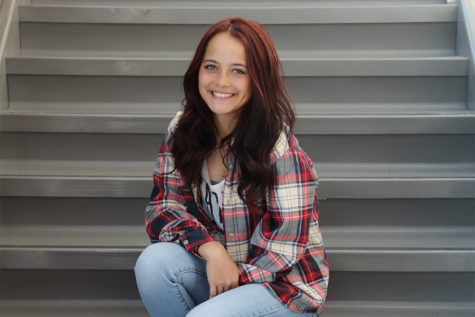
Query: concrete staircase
385, 99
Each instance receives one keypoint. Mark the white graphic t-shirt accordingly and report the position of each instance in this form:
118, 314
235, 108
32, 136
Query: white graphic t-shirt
212, 196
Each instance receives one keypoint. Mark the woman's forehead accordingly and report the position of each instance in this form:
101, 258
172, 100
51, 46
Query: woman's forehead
224, 48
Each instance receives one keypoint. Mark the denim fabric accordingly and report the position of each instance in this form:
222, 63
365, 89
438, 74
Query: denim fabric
172, 282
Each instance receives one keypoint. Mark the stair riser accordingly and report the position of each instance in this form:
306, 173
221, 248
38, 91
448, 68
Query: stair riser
401, 286
50, 284
135, 308
70, 258
399, 39
341, 188
347, 213
163, 95
81, 308
404, 149
293, 66
454, 123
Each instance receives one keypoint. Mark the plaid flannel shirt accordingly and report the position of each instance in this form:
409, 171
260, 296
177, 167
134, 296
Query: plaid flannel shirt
279, 246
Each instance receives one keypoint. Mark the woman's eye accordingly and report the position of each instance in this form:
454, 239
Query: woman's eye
210, 67
239, 71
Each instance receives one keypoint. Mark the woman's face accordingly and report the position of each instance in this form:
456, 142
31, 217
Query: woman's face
224, 82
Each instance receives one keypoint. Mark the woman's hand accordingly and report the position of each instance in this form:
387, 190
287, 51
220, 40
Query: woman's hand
222, 272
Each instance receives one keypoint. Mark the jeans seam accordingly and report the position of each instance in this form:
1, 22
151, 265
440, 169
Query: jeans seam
187, 271
181, 289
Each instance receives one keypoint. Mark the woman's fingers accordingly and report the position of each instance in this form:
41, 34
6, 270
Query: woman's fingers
221, 287
212, 291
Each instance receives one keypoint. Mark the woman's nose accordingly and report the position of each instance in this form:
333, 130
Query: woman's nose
223, 79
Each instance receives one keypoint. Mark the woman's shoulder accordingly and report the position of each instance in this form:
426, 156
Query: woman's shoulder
286, 144
287, 152
173, 124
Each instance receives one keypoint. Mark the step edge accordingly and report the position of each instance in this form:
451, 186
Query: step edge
266, 15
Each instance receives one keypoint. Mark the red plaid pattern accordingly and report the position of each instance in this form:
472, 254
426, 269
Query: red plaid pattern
278, 245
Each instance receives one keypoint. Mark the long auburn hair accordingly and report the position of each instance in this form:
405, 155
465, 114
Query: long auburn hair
261, 120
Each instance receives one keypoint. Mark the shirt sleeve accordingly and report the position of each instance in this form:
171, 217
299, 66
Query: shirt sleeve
280, 239
170, 216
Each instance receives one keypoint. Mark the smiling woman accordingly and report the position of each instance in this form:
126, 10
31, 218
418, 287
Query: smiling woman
233, 215
224, 81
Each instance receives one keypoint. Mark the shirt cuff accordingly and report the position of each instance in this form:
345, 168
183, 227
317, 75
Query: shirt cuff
193, 239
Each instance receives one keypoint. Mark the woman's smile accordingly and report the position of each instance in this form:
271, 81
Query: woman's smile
222, 95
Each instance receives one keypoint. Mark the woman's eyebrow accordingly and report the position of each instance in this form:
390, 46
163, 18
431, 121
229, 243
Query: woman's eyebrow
216, 62
242, 65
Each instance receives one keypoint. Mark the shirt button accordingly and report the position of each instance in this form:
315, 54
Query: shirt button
231, 235
185, 242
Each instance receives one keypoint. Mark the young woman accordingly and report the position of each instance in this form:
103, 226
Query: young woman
233, 215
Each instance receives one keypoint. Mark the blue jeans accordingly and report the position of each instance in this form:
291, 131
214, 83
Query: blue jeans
172, 283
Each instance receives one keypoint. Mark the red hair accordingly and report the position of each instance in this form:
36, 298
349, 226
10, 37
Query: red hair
267, 113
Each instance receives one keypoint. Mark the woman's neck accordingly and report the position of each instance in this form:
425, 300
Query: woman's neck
225, 125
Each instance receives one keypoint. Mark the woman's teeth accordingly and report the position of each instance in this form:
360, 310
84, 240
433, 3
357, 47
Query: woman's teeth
221, 95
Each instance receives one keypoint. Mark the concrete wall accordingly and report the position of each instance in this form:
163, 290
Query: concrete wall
9, 41
465, 44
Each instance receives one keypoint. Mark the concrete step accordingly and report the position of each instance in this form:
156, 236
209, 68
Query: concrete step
73, 308
346, 259
312, 95
347, 286
462, 122
135, 308
396, 154
266, 13
104, 168
297, 67
343, 213
377, 238
132, 187
394, 309
399, 224
348, 30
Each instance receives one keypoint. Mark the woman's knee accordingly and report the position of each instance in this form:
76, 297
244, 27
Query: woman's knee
156, 259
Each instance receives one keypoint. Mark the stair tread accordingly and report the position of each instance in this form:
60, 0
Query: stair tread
266, 14
336, 237
168, 108
299, 66
117, 248
128, 187
184, 54
135, 308
101, 168
56, 122
73, 308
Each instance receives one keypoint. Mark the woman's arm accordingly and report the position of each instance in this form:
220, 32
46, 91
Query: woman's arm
172, 215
